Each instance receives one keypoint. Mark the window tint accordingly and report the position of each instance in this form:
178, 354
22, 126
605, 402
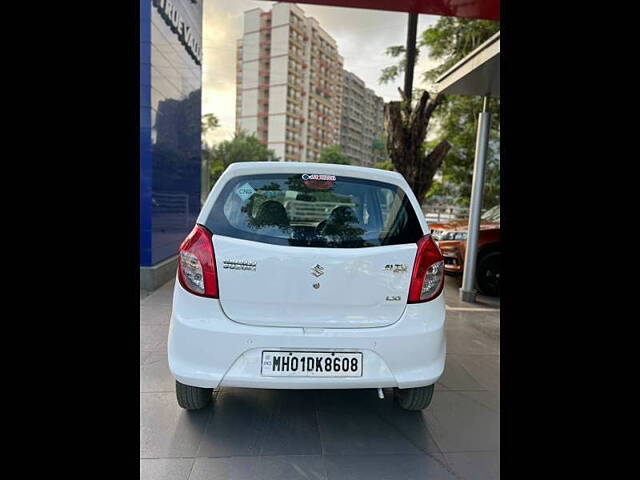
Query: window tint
302, 210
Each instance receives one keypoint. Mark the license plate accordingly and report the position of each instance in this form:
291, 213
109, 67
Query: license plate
311, 364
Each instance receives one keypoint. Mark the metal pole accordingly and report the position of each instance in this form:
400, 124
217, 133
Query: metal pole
468, 291
412, 31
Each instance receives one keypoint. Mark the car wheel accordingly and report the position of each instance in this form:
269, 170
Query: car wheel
414, 398
192, 398
488, 276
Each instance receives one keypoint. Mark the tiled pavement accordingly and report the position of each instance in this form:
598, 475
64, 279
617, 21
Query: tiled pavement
339, 434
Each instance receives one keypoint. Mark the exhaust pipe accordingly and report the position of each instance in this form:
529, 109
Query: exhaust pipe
380, 394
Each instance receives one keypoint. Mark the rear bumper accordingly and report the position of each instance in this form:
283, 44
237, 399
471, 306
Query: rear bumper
453, 257
207, 349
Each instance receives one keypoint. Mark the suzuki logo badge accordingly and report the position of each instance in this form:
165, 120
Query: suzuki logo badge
317, 270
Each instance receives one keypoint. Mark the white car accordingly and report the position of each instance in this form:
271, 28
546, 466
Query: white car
308, 276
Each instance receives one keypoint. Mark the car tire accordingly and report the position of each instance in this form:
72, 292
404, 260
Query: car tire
414, 398
488, 274
192, 398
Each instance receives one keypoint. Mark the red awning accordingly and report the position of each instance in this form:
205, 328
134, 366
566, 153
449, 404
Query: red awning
481, 9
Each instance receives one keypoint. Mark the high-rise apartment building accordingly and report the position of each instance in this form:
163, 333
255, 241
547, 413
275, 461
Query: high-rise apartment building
289, 83
362, 122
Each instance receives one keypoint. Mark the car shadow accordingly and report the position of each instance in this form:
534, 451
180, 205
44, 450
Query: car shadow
312, 422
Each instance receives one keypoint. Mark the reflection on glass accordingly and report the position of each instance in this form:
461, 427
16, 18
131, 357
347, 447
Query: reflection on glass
284, 209
176, 134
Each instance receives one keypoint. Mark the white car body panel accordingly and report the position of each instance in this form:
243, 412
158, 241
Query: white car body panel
352, 290
209, 350
359, 306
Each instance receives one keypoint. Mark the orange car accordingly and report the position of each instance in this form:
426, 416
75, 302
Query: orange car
452, 239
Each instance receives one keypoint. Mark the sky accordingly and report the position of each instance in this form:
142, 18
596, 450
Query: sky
362, 37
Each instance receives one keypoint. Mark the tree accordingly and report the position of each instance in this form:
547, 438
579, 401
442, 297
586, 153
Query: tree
406, 128
391, 73
448, 41
386, 165
333, 154
242, 148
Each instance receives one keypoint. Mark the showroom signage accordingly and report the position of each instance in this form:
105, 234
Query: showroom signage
186, 34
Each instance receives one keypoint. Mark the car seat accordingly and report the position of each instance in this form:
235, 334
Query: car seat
272, 213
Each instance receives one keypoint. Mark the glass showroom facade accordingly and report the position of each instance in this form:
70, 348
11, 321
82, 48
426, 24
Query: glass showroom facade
170, 112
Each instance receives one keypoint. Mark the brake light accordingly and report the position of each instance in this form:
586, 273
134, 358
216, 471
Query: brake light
427, 278
197, 263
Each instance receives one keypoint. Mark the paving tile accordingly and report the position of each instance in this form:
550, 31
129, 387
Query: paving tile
488, 398
471, 342
160, 296
488, 301
452, 295
475, 465
460, 424
153, 337
155, 314
451, 290
388, 467
485, 369
411, 425
307, 467
144, 354
262, 422
356, 422
487, 323
165, 468
166, 430
457, 377
155, 375
455, 321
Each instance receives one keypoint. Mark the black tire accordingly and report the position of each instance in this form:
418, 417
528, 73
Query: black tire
192, 398
414, 398
488, 275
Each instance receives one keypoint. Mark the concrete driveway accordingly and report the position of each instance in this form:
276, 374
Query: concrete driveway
315, 434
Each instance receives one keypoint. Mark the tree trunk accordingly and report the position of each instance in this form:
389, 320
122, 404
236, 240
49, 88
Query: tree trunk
406, 129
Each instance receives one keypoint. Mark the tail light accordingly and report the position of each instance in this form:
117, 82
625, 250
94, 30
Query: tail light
427, 278
197, 264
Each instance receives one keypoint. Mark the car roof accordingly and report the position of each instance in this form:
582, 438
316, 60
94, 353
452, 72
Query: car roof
247, 168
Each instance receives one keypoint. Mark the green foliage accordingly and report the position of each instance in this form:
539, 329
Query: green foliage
448, 41
451, 39
386, 165
332, 154
458, 124
242, 148
392, 72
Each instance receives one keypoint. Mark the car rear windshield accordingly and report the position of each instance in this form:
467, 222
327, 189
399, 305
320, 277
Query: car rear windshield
314, 211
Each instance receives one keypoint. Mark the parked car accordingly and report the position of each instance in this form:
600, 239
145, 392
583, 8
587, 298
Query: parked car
308, 276
452, 240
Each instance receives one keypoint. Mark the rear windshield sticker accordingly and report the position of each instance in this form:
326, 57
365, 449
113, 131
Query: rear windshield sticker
245, 191
318, 182
314, 176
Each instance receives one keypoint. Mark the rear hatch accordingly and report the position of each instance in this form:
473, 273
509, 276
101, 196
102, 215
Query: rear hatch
313, 252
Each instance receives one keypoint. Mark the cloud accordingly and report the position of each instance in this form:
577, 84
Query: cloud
362, 37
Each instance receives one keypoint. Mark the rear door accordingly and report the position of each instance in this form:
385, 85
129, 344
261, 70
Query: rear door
313, 253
